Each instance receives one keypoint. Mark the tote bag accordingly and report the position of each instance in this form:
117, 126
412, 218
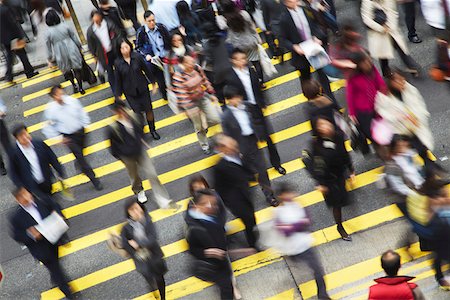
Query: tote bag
266, 63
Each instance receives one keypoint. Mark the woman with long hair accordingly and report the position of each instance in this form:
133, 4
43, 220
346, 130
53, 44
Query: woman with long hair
190, 24
64, 49
132, 78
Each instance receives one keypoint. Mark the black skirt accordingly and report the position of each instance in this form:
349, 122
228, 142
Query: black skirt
337, 195
140, 103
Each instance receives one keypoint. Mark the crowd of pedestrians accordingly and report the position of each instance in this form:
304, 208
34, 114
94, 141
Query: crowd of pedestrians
210, 68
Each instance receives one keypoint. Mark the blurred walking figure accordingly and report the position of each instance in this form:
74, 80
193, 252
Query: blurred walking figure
329, 163
66, 116
289, 234
128, 8
362, 89
208, 243
189, 23
111, 13
102, 38
64, 49
30, 212
195, 96
30, 163
4, 138
383, 35
231, 179
12, 38
132, 79
238, 123
409, 9
140, 240
127, 145
393, 286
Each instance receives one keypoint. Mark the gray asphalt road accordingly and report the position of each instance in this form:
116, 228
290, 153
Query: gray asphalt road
26, 279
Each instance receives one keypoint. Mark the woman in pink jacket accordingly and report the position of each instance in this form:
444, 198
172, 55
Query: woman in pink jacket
362, 88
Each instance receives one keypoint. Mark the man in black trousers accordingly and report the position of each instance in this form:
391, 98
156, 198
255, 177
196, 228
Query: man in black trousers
30, 212
31, 162
4, 138
10, 32
231, 179
239, 123
245, 79
409, 9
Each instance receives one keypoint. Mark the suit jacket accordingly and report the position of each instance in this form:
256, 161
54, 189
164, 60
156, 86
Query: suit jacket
231, 182
9, 29
233, 79
95, 46
231, 127
271, 10
123, 144
21, 220
20, 168
290, 36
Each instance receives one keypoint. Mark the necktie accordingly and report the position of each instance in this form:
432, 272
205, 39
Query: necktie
301, 28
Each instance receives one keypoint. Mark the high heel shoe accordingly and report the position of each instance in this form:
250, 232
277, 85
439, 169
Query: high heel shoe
344, 235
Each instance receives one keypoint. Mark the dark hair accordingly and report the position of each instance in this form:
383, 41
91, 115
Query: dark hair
230, 91
52, 18
397, 138
129, 203
54, 89
347, 25
18, 128
390, 77
177, 32
196, 178
232, 13
96, 12
311, 89
118, 105
199, 195
119, 45
283, 187
103, 2
390, 262
183, 10
18, 190
358, 58
236, 51
148, 13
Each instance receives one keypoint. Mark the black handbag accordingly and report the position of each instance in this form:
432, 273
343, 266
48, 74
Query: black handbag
205, 270
87, 74
379, 16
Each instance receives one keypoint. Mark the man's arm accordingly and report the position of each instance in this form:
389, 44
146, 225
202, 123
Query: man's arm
54, 160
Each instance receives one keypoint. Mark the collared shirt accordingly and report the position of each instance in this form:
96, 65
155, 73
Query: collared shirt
31, 155
244, 76
34, 212
66, 118
102, 33
301, 22
156, 40
241, 115
234, 159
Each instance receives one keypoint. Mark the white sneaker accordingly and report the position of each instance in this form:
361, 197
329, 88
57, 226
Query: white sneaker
142, 198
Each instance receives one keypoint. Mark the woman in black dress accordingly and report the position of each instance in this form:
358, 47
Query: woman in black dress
132, 78
140, 240
331, 162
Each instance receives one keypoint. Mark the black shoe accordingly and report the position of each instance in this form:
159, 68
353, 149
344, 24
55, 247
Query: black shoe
280, 170
102, 78
272, 201
82, 92
97, 185
3, 171
415, 39
155, 135
32, 74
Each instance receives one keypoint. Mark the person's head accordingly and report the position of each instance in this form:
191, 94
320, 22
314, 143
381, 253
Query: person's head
176, 40
311, 89
233, 96
103, 3
396, 81
149, 18
205, 201
349, 33
239, 58
188, 63
57, 93
52, 18
390, 262
183, 9
226, 145
399, 144
324, 127
196, 183
120, 109
134, 210
23, 196
125, 48
21, 134
285, 192
96, 17
291, 3
363, 63
232, 14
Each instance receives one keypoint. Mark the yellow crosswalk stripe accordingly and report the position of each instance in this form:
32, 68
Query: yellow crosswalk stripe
24, 78
252, 262
287, 295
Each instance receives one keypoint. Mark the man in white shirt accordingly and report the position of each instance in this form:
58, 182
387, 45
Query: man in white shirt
66, 116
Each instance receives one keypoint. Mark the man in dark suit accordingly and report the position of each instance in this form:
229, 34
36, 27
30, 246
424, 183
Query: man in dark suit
30, 212
238, 123
298, 25
10, 31
30, 163
231, 179
245, 79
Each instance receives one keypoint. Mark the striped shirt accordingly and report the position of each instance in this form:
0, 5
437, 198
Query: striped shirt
190, 87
